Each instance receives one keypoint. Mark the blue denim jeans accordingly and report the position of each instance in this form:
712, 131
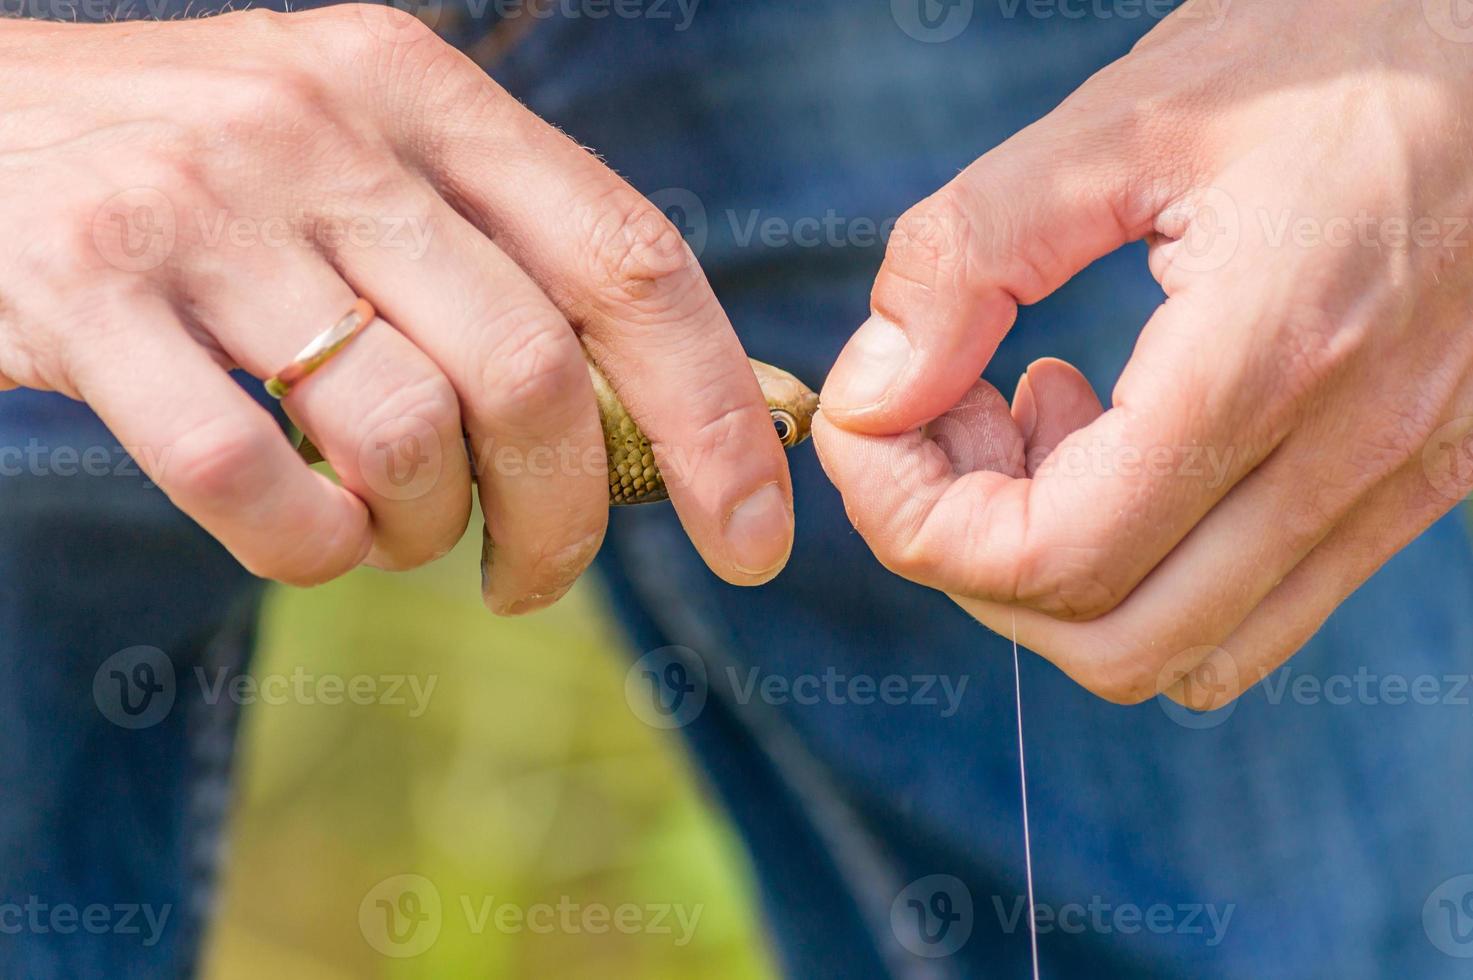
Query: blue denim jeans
858, 729
115, 773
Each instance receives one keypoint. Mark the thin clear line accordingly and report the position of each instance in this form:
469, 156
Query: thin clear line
1023, 781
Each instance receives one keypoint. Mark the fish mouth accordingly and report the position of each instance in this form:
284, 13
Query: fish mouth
807, 409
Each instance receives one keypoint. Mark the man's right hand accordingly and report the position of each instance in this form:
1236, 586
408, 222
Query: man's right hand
178, 199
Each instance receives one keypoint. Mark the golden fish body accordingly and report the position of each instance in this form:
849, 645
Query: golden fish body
634, 477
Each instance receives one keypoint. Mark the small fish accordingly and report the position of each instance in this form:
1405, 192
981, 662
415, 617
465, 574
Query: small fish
633, 476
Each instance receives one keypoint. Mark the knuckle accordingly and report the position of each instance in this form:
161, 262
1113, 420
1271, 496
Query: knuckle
430, 401
287, 98
212, 464
1203, 696
66, 247
1305, 523
1069, 585
532, 371
904, 558
29, 360
1121, 684
1117, 671
383, 43
1400, 435
263, 21
898, 545
638, 259
374, 190
727, 423
723, 425
930, 245
165, 161
365, 28
926, 552
919, 554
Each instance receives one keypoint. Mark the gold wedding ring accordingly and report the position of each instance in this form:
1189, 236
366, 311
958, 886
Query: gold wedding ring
322, 349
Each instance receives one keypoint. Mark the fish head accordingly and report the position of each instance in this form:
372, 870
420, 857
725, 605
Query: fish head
791, 402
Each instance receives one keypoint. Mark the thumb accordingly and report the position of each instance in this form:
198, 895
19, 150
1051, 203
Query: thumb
1010, 229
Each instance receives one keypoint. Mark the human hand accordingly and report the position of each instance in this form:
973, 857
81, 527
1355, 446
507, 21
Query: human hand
182, 198
1294, 414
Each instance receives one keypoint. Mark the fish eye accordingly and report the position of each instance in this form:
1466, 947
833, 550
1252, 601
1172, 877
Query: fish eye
786, 426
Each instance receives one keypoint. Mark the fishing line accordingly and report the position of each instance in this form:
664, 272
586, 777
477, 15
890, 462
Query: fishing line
1023, 781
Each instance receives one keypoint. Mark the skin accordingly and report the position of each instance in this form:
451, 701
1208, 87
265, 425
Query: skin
182, 198
635, 478
1280, 162
790, 402
632, 479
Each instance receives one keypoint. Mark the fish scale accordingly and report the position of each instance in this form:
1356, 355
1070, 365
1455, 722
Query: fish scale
634, 477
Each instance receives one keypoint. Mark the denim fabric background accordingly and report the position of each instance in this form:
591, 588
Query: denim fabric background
1324, 828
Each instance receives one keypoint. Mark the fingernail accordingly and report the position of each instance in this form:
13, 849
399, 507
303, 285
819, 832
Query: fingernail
759, 532
869, 366
1025, 408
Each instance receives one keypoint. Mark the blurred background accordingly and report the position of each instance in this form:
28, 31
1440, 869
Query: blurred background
504, 800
